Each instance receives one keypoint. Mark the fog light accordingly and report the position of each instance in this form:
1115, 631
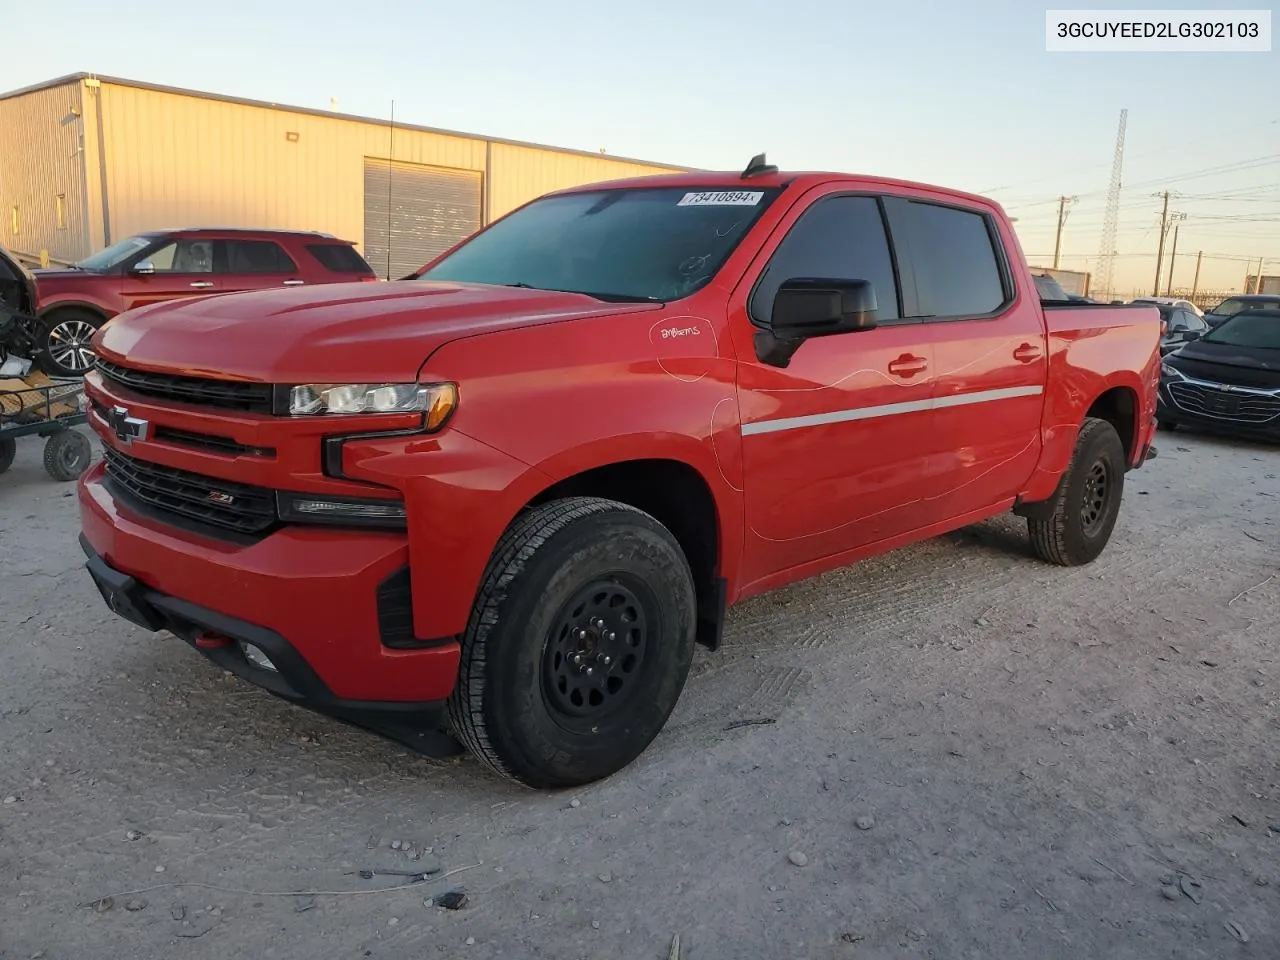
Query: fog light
255, 656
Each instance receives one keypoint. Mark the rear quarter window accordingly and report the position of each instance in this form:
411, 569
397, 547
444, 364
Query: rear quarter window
339, 258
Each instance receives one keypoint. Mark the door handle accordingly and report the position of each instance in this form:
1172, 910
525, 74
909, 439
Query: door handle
199, 284
1026, 353
908, 366
294, 283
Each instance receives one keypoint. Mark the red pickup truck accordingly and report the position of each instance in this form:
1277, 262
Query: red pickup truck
506, 497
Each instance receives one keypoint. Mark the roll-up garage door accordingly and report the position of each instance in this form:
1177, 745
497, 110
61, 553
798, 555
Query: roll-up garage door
413, 213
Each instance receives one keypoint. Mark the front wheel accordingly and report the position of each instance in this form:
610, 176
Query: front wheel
62, 342
578, 646
1087, 502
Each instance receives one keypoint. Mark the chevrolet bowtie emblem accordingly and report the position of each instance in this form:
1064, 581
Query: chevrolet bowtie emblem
126, 428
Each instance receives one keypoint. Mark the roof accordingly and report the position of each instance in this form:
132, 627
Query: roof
306, 111
1259, 297
733, 180
282, 231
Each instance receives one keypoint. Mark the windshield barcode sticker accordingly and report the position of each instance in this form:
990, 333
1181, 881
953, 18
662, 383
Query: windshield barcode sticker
722, 198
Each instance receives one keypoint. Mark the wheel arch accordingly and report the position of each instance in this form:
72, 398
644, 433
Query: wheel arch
1118, 406
680, 497
87, 306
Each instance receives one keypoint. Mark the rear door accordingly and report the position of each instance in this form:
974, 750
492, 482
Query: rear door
258, 265
990, 353
183, 267
836, 444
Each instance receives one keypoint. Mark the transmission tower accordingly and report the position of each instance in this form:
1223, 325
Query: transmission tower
1111, 218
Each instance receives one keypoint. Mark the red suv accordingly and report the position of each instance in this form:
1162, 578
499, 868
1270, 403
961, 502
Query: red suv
167, 264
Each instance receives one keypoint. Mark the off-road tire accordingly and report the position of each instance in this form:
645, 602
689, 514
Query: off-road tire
82, 321
1066, 537
67, 455
8, 450
508, 707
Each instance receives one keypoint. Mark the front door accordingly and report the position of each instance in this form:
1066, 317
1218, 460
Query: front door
179, 268
990, 353
836, 444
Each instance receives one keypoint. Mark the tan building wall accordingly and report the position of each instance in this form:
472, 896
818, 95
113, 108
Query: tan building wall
140, 158
42, 174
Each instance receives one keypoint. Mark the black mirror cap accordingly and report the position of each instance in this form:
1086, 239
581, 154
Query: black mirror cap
817, 306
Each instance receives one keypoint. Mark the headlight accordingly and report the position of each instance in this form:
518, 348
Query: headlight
1171, 372
436, 400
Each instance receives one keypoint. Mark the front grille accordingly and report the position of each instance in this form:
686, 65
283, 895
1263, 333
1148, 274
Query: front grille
214, 443
227, 394
1221, 404
211, 442
222, 504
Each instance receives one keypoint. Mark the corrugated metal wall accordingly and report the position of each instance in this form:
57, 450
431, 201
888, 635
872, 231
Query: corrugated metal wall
217, 163
178, 160
42, 160
518, 173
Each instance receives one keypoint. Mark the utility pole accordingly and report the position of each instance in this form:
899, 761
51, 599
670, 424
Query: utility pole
1173, 255
1257, 280
1062, 220
1195, 284
1164, 228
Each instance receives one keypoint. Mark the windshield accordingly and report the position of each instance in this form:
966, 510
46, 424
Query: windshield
1259, 331
1229, 308
114, 255
652, 243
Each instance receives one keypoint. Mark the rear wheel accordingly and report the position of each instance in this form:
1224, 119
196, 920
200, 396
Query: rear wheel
8, 449
1087, 501
62, 342
578, 646
1168, 426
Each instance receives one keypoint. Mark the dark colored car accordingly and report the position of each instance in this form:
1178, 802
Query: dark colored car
17, 306
1181, 326
1247, 301
170, 264
1228, 380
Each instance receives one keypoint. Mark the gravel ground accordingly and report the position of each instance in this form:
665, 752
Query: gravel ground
952, 751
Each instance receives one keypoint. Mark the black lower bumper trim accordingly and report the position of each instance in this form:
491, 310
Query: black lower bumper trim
419, 726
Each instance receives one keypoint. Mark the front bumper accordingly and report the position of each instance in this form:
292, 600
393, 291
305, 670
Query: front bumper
306, 597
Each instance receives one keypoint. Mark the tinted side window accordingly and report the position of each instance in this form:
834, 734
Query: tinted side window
840, 238
257, 256
1178, 321
338, 258
957, 272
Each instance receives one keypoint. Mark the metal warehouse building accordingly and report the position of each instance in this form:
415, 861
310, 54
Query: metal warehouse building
86, 161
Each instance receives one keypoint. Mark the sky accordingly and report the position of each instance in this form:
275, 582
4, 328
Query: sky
960, 95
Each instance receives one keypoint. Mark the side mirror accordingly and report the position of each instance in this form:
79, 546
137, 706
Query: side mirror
807, 307
143, 266
1190, 335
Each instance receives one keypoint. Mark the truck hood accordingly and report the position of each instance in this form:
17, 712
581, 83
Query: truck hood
330, 333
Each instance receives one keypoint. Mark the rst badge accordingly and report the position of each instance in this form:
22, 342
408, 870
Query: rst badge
126, 428
218, 497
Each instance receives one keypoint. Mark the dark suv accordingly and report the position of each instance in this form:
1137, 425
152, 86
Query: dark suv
167, 264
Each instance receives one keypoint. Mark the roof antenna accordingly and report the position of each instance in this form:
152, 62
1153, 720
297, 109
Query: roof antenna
758, 168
